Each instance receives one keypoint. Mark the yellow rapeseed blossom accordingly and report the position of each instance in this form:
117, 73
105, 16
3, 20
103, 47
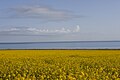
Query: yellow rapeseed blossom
59, 64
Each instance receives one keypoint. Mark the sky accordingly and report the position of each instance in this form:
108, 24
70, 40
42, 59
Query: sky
59, 20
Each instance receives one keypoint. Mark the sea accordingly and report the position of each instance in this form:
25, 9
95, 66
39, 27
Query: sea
62, 45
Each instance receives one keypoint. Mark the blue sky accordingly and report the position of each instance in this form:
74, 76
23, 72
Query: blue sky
57, 20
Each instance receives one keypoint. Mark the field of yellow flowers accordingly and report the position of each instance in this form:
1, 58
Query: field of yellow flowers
59, 64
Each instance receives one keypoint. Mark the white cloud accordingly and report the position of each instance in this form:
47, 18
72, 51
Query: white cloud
37, 12
37, 31
77, 29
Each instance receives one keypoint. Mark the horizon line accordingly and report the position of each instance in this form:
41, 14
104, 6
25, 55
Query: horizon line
58, 41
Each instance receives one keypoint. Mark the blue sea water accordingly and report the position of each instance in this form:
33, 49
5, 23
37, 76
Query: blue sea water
63, 45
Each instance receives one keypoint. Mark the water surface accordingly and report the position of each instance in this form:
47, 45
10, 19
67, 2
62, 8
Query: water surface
63, 45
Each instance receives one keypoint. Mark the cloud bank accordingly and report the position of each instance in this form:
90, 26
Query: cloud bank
37, 12
25, 31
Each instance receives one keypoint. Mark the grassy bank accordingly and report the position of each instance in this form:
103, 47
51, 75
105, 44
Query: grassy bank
60, 64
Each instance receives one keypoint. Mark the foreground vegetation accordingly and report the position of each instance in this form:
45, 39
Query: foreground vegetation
59, 64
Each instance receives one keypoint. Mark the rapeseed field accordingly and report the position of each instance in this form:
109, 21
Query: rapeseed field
59, 64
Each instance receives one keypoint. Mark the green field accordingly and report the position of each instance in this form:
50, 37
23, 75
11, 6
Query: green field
59, 64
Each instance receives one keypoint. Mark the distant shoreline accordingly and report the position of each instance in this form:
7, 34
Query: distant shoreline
59, 49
